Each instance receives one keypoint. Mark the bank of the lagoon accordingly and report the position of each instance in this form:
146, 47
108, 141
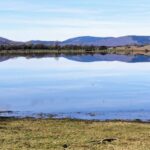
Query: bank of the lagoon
73, 134
118, 50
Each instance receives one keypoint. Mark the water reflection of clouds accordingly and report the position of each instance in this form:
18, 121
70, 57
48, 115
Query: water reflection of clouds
59, 85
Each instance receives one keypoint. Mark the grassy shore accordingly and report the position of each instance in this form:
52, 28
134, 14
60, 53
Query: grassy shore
42, 134
30, 52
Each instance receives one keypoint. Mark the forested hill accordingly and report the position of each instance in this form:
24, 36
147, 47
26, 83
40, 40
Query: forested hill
87, 40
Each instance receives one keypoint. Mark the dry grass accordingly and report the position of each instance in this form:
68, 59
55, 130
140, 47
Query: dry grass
42, 134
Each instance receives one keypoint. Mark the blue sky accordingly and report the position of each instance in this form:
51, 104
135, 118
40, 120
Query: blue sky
24, 20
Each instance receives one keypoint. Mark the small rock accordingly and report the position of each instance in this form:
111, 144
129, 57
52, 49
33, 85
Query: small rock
104, 141
65, 146
109, 140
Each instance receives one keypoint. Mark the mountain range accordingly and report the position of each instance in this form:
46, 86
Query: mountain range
88, 40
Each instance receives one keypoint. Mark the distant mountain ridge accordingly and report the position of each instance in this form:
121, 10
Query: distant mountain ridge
35, 42
89, 40
108, 41
4, 41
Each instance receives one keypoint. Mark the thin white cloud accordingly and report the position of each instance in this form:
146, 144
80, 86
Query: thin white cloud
68, 22
50, 10
66, 10
23, 6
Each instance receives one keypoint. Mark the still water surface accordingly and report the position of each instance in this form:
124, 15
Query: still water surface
85, 87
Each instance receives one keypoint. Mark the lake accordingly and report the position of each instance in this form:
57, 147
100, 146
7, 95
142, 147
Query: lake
84, 87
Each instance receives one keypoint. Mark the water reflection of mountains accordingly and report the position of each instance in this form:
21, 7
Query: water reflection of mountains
110, 57
89, 58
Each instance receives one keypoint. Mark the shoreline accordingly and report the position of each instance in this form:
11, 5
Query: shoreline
98, 116
52, 117
27, 52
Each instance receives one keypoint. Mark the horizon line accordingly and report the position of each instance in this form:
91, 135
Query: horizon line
76, 37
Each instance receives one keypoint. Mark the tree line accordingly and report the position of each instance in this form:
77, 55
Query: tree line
51, 47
